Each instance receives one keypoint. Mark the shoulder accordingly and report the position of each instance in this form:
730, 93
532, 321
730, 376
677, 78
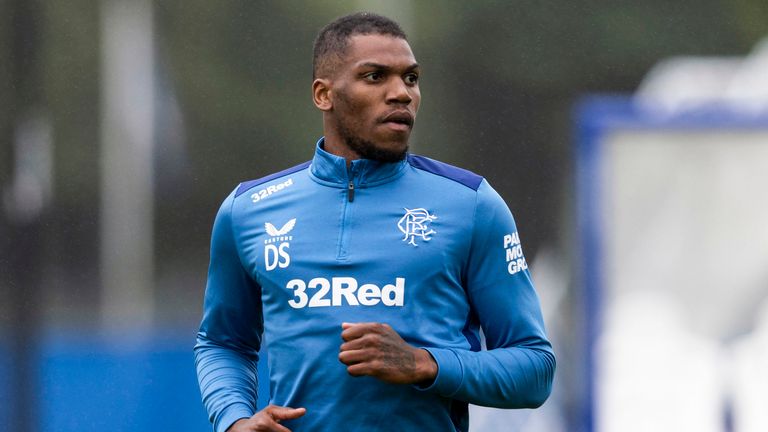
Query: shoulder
458, 175
486, 197
238, 207
250, 184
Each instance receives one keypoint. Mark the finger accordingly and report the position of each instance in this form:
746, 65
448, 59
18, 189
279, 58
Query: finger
353, 357
367, 340
285, 413
352, 330
360, 369
372, 324
355, 330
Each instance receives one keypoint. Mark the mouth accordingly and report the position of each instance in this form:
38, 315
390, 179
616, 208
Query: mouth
399, 119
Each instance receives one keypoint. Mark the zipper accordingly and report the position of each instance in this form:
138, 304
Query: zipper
351, 191
344, 233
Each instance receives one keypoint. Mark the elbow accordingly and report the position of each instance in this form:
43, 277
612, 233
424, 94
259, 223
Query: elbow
542, 385
537, 398
206, 343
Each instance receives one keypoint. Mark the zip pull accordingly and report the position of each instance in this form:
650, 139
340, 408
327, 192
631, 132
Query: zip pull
351, 191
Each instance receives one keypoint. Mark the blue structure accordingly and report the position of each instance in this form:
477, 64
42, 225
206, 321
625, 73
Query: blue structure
595, 117
88, 383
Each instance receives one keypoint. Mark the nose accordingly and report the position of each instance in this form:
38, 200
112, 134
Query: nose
399, 92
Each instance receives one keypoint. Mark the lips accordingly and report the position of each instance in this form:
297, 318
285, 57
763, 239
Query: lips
399, 117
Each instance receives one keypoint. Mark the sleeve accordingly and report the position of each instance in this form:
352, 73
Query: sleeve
517, 369
230, 333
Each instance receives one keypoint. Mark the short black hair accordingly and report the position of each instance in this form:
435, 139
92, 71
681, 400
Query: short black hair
332, 41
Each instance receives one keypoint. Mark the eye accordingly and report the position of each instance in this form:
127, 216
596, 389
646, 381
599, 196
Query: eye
411, 78
373, 76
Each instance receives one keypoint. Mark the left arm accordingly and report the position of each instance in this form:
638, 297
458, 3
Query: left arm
517, 369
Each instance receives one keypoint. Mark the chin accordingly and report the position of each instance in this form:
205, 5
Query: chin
382, 151
388, 154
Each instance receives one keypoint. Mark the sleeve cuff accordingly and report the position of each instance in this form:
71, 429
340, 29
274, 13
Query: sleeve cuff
231, 414
449, 372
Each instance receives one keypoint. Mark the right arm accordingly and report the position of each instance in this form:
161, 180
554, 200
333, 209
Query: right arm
229, 338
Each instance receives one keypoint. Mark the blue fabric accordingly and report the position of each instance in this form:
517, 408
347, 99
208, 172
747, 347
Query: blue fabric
417, 247
245, 187
460, 175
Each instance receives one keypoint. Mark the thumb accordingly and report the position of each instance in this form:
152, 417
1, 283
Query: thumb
286, 413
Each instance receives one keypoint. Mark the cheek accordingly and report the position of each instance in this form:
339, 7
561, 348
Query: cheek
416, 96
349, 106
350, 117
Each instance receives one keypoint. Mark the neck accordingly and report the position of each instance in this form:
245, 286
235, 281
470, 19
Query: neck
335, 145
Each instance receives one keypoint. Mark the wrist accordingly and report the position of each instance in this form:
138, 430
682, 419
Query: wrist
235, 427
426, 368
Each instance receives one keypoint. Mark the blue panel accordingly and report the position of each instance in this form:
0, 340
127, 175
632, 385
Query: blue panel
588, 181
93, 385
89, 383
459, 175
245, 186
610, 112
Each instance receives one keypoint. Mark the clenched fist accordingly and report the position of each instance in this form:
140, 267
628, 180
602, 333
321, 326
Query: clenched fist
375, 349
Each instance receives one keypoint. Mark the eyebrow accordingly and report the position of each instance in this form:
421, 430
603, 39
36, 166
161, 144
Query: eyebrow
385, 67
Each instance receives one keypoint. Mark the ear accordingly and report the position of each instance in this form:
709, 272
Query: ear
322, 94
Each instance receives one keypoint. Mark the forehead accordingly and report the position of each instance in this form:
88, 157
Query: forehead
380, 49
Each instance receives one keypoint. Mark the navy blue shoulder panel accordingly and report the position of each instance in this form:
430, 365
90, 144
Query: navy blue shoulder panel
459, 175
245, 186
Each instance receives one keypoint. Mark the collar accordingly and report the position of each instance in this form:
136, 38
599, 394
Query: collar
332, 170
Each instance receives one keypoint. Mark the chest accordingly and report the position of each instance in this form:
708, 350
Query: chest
384, 248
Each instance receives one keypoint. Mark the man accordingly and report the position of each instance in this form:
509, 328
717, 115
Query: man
369, 271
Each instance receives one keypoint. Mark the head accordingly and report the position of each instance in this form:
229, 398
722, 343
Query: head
366, 85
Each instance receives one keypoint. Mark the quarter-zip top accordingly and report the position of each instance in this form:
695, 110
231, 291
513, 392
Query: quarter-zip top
430, 249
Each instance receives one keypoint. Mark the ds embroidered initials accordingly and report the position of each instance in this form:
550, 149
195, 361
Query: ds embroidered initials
276, 255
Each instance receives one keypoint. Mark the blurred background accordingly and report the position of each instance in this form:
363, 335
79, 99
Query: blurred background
125, 123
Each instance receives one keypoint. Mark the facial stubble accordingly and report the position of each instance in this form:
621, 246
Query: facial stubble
366, 149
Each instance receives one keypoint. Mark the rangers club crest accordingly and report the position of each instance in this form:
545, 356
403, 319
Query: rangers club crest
415, 224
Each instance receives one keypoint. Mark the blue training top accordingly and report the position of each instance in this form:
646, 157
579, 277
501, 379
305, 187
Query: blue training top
428, 248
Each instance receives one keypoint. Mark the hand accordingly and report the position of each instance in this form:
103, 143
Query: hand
375, 349
268, 420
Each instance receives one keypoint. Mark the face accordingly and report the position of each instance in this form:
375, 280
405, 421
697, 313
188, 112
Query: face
374, 98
